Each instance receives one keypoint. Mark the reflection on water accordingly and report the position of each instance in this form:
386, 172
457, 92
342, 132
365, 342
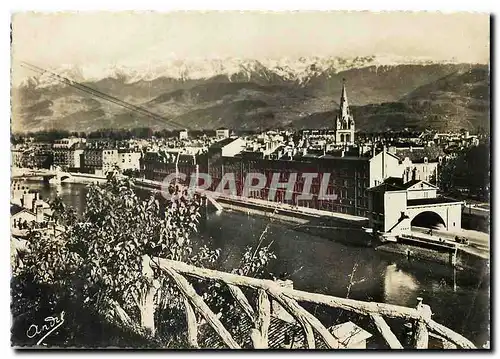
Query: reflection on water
459, 300
399, 285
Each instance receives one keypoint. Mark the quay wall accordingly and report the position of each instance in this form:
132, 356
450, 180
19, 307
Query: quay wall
464, 259
85, 178
254, 210
339, 230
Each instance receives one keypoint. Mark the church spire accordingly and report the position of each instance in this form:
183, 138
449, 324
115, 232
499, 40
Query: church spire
343, 97
344, 105
344, 122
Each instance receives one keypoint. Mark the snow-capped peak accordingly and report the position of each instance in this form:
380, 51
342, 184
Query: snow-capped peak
299, 70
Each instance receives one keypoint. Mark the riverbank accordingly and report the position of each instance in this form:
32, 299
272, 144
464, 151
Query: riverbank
350, 231
328, 227
463, 259
85, 178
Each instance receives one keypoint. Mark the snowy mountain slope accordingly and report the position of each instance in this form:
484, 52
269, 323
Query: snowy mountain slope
254, 94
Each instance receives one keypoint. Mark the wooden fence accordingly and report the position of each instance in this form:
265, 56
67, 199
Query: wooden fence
288, 298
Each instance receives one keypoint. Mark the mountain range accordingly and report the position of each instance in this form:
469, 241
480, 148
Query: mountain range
384, 94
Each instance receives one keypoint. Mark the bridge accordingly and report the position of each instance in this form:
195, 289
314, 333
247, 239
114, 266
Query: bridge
48, 175
56, 176
276, 309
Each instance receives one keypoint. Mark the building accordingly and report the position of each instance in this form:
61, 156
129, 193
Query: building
221, 133
395, 205
407, 163
110, 160
67, 142
350, 173
21, 217
345, 178
19, 157
68, 157
157, 166
43, 157
344, 122
424, 162
26, 207
129, 160
384, 165
183, 135
92, 160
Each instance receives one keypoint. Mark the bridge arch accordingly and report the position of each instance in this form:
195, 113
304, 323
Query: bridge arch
428, 219
65, 177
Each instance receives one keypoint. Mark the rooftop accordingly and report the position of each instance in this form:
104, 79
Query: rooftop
15, 209
385, 187
418, 154
222, 143
437, 200
396, 184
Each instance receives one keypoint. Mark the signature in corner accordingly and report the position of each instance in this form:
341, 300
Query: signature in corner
51, 324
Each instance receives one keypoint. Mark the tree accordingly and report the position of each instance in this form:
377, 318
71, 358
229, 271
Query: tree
470, 169
98, 260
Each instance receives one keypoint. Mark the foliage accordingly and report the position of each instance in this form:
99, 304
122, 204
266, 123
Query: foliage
254, 262
98, 258
131, 173
469, 170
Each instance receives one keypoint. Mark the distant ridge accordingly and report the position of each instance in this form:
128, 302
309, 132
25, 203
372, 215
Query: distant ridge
252, 94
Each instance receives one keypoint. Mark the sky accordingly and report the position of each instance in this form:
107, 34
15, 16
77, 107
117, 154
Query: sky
128, 38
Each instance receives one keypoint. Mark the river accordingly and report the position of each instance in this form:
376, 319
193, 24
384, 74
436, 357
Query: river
459, 299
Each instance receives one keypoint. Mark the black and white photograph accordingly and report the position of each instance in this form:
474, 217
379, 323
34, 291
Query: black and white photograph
281, 180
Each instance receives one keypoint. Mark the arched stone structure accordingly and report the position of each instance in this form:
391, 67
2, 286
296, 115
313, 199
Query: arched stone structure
449, 213
427, 219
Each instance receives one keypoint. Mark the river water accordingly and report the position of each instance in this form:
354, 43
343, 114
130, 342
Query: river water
459, 300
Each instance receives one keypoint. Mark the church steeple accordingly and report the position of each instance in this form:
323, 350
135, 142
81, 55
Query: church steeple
344, 124
344, 105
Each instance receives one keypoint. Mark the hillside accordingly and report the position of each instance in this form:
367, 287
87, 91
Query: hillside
256, 96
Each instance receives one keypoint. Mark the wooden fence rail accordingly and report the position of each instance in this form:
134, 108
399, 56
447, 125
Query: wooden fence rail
288, 298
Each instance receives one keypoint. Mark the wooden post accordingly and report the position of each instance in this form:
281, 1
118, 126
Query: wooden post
242, 300
453, 257
256, 339
188, 290
263, 320
421, 332
446, 343
277, 310
386, 332
293, 308
308, 322
450, 335
146, 300
192, 325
